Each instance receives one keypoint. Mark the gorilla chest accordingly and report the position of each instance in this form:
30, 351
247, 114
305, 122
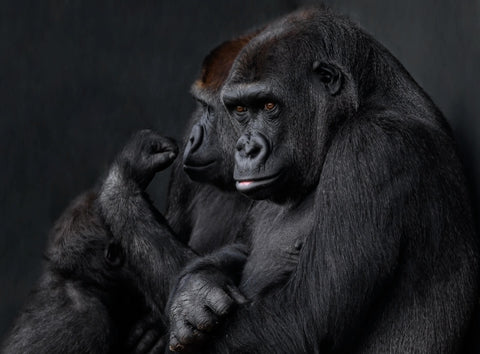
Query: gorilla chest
277, 240
217, 221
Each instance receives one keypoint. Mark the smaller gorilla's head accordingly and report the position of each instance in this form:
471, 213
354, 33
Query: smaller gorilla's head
208, 151
80, 248
287, 91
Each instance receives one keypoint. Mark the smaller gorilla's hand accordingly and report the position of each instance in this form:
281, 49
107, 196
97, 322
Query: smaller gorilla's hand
146, 154
200, 301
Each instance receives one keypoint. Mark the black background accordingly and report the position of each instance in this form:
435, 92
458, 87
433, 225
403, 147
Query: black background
78, 77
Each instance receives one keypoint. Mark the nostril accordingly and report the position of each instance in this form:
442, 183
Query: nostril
252, 150
196, 137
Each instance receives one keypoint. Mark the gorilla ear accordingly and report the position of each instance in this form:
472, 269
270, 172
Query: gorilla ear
330, 76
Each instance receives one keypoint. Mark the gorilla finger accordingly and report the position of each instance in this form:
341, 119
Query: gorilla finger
218, 301
174, 345
160, 144
146, 342
185, 333
159, 347
163, 160
169, 144
202, 318
236, 295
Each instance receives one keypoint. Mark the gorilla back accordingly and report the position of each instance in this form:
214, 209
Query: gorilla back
363, 169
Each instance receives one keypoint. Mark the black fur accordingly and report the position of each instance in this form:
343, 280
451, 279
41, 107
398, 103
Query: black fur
110, 261
133, 227
365, 242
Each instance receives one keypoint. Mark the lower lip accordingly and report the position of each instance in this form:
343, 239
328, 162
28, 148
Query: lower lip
252, 185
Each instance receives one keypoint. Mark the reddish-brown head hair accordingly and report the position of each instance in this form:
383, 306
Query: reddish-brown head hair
217, 64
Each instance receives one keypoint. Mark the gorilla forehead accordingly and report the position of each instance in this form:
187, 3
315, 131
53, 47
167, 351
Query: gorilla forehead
301, 38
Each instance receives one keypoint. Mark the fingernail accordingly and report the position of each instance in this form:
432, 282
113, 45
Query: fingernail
176, 348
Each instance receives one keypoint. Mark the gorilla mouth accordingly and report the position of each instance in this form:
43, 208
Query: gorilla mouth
252, 184
199, 167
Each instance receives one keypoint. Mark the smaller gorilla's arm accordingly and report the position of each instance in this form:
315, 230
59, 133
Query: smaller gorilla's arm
134, 222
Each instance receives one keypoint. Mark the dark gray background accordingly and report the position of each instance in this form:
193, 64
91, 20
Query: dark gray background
78, 77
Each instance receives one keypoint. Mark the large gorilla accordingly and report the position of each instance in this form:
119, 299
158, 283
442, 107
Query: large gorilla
364, 239
110, 260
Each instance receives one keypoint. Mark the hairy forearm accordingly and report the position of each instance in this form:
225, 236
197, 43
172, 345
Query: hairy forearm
128, 213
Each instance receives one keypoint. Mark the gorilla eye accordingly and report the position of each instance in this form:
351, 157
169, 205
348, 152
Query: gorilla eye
241, 109
269, 106
326, 77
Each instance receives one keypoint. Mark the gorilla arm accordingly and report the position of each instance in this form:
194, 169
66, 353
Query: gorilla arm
181, 192
128, 212
141, 230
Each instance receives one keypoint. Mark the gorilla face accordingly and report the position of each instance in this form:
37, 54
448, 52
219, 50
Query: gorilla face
286, 98
208, 151
205, 157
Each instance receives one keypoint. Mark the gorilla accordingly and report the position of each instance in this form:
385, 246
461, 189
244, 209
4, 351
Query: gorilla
202, 188
110, 259
362, 239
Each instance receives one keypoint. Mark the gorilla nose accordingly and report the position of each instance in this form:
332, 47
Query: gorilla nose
252, 150
196, 137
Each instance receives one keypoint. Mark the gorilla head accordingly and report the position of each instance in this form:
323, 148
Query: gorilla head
287, 91
207, 154
80, 247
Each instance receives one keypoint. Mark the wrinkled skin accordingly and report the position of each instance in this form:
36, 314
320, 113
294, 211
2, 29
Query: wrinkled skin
364, 238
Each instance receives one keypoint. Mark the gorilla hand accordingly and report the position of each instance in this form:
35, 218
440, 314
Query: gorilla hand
204, 294
144, 155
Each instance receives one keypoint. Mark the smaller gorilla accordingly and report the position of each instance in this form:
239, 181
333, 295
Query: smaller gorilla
110, 259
